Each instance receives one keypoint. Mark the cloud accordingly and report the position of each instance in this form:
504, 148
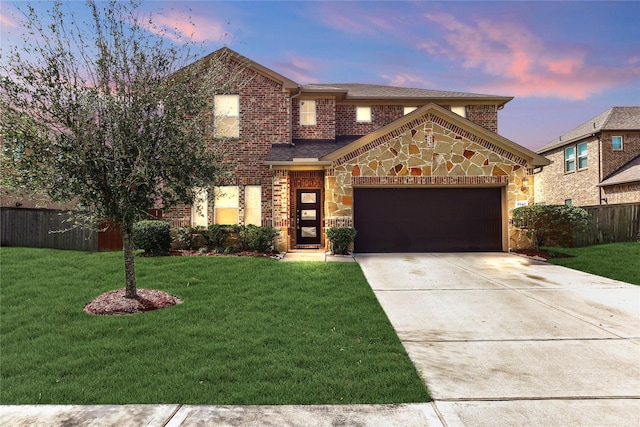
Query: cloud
351, 18
301, 70
521, 63
179, 26
407, 80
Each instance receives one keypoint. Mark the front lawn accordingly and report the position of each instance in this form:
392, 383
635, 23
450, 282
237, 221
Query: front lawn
250, 331
619, 261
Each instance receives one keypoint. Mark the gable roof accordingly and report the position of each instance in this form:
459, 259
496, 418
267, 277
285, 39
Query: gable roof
287, 83
626, 174
459, 125
615, 118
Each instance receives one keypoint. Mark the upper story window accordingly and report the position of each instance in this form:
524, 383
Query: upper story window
227, 116
408, 110
570, 159
582, 156
363, 114
616, 142
459, 110
307, 112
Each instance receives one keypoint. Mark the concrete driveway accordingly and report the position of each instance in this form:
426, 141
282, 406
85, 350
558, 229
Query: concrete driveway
503, 340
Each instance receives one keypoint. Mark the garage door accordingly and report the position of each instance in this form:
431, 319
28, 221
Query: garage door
427, 219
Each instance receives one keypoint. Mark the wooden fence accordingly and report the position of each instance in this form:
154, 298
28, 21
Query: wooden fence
50, 228
611, 223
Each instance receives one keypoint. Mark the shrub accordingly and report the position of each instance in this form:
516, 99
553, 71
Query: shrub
218, 235
153, 236
192, 238
551, 224
341, 238
260, 239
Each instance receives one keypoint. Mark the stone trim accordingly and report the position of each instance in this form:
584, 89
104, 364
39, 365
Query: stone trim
501, 180
339, 221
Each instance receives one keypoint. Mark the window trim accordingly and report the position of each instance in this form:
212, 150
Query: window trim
409, 110
218, 115
579, 157
366, 110
307, 114
568, 160
613, 148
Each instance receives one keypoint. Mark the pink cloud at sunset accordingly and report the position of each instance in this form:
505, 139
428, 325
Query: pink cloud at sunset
178, 25
522, 63
298, 69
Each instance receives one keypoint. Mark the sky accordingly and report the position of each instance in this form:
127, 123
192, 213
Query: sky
563, 62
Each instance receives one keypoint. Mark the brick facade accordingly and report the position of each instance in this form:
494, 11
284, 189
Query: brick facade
325, 127
613, 159
555, 186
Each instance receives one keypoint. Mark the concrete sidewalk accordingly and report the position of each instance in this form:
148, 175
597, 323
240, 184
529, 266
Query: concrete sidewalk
406, 415
502, 340
315, 256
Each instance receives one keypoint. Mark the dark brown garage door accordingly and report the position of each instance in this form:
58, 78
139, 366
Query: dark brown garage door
427, 219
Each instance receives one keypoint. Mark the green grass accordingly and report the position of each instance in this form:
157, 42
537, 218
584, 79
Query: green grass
250, 331
619, 261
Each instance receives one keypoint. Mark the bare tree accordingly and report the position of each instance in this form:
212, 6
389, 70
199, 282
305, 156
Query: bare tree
108, 112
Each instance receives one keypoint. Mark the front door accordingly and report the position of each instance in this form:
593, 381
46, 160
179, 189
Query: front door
308, 217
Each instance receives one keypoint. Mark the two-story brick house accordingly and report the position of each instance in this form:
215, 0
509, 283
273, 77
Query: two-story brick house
596, 163
410, 169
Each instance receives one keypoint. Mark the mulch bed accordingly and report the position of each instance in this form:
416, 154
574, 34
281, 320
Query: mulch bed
212, 253
539, 253
115, 302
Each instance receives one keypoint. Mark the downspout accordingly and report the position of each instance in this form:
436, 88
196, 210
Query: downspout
599, 169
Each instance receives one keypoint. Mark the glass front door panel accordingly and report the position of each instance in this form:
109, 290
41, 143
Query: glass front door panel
308, 217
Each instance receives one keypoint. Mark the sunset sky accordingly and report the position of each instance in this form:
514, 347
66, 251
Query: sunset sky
564, 62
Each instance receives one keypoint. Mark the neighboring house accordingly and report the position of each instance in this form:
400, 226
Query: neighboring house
411, 169
596, 163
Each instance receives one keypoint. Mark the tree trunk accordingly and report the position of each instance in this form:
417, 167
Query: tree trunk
129, 266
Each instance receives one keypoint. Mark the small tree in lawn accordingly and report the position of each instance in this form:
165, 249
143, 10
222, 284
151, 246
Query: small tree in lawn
108, 113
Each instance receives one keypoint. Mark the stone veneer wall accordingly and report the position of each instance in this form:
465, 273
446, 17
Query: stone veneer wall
428, 151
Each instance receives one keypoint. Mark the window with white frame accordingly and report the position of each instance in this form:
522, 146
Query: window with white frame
253, 205
570, 159
363, 114
307, 112
226, 206
616, 143
199, 210
582, 156
227, 116
408, 110
459, 110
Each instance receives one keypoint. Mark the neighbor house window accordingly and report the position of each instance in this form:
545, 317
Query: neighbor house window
461, 111
568, 202
227, 116
363, 114
199, 214
616, 142
582, 156
225, 207
570, 159
408, 110
308, 112
253, 205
